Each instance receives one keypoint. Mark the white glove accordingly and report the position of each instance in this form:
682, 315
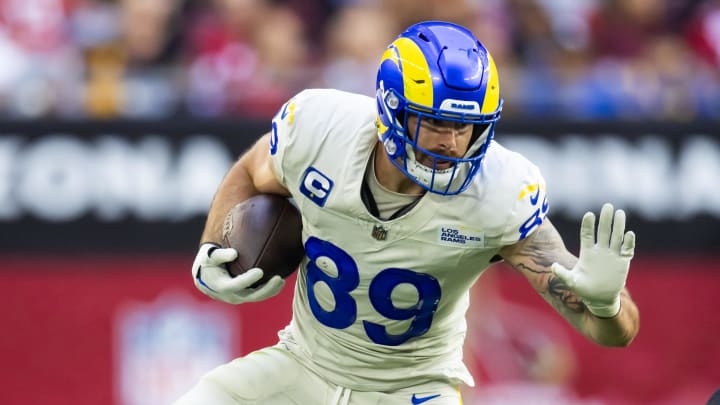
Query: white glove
212, 278
602, 268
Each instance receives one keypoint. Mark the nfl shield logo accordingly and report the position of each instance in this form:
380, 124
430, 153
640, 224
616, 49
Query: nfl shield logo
164, 346
379, 232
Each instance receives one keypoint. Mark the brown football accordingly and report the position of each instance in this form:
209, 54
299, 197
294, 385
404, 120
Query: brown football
266, 231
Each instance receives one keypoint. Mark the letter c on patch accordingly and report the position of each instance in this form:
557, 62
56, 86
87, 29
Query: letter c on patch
316, 186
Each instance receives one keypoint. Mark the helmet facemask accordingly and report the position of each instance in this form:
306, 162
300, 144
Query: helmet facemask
401, 143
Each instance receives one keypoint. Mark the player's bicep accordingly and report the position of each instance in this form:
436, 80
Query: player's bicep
534, 256
258, 164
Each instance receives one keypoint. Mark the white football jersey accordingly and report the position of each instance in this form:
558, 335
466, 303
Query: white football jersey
380, 305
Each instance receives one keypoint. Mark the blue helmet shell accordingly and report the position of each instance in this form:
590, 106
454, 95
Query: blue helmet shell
439, 70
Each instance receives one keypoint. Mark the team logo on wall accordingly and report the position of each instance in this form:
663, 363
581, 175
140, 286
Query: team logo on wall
162, 348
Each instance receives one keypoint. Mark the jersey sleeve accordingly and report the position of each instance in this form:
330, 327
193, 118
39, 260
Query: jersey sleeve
530, 204
313, 131
287, 125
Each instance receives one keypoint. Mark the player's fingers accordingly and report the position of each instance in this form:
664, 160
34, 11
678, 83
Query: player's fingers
222, 255
213, 277
628, 246
267, 290
605, 225
245, 280
587, 231
618, 230
563, 274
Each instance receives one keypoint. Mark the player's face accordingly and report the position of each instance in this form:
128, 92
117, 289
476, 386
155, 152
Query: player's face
446, 138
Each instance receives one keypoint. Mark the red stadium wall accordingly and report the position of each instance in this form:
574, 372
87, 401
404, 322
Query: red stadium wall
132, 330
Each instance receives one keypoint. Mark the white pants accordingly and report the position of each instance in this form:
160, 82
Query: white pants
273, 376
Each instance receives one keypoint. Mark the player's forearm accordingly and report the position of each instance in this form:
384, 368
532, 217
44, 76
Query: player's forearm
237, 186
252, 174
534, 257
619, 330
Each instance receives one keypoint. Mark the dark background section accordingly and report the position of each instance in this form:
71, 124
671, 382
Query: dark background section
87, 234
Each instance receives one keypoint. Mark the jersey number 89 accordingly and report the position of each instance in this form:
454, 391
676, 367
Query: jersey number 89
345, 312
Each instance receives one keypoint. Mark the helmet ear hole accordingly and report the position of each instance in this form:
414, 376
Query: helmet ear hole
402, 118
478, 130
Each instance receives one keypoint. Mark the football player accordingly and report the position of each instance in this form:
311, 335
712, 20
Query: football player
406, 199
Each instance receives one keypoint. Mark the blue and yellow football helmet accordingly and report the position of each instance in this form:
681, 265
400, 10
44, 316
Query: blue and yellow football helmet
437, 70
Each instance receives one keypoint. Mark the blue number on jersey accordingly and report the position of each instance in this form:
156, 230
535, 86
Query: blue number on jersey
287, 108
274, 138
537, 217
421, 313
380, 291
348, 278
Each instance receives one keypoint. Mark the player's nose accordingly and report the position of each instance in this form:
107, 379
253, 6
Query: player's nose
447, 138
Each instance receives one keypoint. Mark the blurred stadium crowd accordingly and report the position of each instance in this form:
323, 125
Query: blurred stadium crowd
591, 59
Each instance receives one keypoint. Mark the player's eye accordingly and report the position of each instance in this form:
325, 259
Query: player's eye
462, 126
438, 123
433, 122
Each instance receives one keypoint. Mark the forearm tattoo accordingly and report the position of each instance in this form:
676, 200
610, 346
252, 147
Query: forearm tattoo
559, 291
534, 259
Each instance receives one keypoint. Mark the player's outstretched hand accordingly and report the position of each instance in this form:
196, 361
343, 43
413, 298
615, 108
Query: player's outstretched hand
603, 265
212, 278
